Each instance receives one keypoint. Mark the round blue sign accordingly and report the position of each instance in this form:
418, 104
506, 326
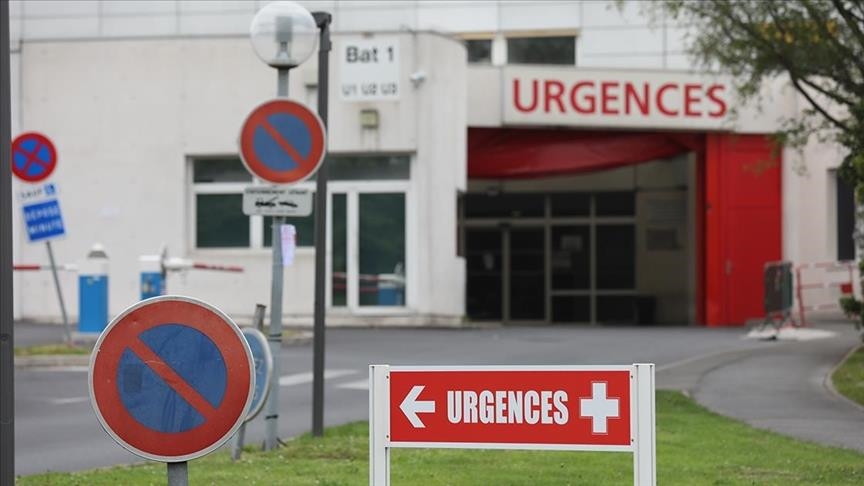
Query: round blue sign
263, 361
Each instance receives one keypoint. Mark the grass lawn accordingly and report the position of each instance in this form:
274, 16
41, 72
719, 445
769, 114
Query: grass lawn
694, 447
50, 349
849, 377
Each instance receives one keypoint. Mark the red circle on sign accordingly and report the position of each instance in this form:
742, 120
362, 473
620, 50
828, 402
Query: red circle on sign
123, 333
27, 152
259, 119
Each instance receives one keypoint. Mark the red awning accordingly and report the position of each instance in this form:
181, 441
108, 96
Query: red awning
521, 153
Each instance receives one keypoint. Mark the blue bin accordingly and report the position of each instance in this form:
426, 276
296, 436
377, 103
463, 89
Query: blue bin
93, 292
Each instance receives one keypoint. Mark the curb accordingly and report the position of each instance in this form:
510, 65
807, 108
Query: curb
828, 381
52, 361
63, 360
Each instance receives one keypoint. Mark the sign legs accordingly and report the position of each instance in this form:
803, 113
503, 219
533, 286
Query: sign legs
379, 425
275, 338
178, 473
59, 292
644, 447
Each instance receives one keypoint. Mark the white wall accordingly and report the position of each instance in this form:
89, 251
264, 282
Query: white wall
126, 115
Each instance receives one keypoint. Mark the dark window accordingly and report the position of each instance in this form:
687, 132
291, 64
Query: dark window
220, 221
504, 206
571, 257
571, 308
615, 203
541, 50
573, 204
616, 257
340, 250
304, 226
479, 50
613, 309
483, 248
367, 168
527, 274
220, 170
845, 221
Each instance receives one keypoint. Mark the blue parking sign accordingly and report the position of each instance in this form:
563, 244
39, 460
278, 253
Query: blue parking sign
44, 220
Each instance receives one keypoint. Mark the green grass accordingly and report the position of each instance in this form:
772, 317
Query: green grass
51, 349
849, 377
694, 447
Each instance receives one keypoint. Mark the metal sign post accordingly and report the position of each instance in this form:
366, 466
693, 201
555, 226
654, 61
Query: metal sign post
322, 19
7, 367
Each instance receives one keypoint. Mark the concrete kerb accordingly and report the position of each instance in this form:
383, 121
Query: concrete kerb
300, 338
828, 382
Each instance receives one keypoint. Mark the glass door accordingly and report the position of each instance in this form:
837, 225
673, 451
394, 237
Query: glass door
571, 273
367, 249
526, 274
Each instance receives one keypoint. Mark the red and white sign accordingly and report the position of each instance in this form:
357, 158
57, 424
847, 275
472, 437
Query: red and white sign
283, 141
526, 407
621, 99
585, 408
171, 378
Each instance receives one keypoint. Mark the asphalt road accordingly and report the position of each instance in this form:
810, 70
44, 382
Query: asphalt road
56, 429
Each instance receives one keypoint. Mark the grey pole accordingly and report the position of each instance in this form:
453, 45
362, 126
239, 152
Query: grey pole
237, 449
275, 337
59, 292
7, 370
178, 473
323, 20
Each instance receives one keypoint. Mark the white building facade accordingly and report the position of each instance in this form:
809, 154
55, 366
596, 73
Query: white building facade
475, 188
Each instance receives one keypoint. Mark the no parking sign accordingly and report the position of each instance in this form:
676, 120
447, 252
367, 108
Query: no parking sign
171, 378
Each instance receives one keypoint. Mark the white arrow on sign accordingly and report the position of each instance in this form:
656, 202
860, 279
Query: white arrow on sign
411, 407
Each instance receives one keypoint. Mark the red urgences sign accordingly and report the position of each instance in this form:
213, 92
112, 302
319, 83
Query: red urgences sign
639, 99
579, 408
548, 407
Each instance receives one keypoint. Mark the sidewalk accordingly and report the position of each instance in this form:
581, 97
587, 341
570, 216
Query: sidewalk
784, 388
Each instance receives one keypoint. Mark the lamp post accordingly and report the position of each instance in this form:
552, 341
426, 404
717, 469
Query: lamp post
283, 35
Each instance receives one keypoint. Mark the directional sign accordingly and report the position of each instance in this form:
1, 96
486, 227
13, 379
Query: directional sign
33, 157
263, 368
560, 407
585, 408
171, 378
282, 142
277, 201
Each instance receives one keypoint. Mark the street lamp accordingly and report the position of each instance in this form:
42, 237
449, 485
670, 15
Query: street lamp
284, 35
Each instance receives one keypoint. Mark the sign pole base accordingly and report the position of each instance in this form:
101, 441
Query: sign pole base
178, 473
238, 443
59, 292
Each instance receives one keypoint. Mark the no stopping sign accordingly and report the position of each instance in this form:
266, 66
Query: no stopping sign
171, 378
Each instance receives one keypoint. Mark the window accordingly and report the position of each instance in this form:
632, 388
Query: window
479, 51
542, 50
845, 220
218, 184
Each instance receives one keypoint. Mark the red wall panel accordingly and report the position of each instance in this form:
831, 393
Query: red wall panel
743, 227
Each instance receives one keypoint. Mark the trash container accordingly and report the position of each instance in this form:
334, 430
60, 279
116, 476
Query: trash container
391, 289
152, 276
93, 291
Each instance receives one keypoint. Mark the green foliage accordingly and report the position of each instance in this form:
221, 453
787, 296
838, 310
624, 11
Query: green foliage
694, 447
51, 349
818, 45
850, 305
849, 377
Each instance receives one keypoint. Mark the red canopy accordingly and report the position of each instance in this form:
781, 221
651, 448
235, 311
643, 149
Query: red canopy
521, 153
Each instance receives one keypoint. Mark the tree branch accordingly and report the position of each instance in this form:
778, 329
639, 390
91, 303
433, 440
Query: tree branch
787, 65
851, 21
822, 24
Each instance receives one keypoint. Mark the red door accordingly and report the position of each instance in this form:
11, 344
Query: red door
743, 224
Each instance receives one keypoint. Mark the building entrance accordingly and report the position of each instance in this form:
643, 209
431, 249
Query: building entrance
553, 258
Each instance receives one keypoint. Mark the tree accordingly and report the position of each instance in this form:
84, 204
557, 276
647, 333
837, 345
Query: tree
817, 44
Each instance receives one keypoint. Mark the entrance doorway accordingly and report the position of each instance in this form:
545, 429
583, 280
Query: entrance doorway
572, 260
